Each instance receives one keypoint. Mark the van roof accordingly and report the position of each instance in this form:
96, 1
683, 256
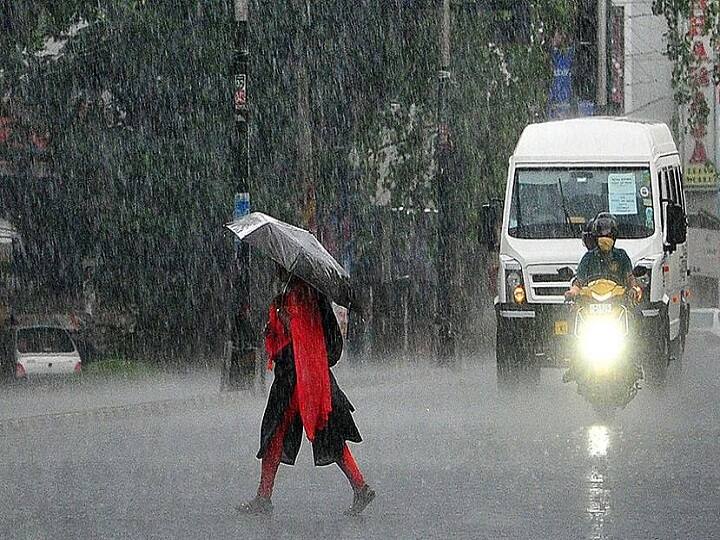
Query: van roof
594, 139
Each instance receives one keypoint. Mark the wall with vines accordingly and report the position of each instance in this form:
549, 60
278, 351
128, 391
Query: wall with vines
693, 45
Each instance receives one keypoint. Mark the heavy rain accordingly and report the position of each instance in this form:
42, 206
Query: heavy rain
455, 261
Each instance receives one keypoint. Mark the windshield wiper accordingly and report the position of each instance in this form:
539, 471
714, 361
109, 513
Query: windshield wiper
564, 206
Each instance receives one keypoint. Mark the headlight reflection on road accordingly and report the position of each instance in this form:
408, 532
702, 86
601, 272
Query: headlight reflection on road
598, 441
598, 504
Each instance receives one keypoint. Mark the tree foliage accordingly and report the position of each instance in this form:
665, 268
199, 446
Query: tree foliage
141, 125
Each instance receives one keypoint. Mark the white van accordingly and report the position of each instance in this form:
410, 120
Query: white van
561, 175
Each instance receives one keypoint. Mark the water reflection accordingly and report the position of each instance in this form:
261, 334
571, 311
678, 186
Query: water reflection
598, 441
598, 502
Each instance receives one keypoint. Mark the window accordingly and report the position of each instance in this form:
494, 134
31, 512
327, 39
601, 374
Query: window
665, 194
679, 187
559, 202
673, 185
44, 340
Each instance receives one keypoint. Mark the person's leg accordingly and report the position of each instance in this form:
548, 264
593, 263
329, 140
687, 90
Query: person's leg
270, 463
273, 455
348, 466
362, 494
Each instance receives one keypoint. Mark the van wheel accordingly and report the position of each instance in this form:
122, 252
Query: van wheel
514, 365
658, 357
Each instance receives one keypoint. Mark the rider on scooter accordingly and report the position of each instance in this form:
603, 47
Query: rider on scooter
604, 260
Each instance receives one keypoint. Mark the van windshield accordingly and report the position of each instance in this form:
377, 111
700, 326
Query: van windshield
559, 202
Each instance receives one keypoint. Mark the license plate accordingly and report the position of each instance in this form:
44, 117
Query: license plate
561, 328
600, 308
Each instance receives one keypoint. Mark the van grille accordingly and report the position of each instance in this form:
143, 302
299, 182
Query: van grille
548, 283
548, 278
550, 291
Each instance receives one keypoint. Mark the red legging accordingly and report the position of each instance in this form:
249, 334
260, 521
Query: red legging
273, 454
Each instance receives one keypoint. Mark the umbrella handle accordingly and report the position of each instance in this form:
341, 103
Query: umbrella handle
290, 273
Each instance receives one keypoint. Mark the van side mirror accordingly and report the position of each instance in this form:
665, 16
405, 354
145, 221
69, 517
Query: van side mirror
490, 221
676, 226
639, 271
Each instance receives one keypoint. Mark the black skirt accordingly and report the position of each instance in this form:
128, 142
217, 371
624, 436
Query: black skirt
328, 444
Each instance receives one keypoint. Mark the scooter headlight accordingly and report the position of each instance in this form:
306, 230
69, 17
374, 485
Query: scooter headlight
602, 342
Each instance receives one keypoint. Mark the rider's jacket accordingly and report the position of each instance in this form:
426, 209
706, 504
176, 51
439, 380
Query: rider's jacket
613, 265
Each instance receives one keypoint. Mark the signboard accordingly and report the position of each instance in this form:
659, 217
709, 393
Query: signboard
702, 166
242, 205
622, 200
562, 56
704, 252
240, 97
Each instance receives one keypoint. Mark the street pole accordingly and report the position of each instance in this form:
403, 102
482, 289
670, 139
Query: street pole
445, 343
239, 355
240, 72
717, 115
304, 119
717, 134
602, 86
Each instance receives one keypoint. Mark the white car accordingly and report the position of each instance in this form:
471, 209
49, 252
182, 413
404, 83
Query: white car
44, 350
705, 320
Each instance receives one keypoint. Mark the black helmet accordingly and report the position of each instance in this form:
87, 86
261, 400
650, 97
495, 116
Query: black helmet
605, 224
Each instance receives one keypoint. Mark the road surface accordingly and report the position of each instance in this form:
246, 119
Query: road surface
170, 457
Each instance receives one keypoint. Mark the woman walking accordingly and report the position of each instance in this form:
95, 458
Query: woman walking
303, 342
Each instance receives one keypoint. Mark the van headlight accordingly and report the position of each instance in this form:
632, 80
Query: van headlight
514, 286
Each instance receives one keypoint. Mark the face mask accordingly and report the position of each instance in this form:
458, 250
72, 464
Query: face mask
605, 243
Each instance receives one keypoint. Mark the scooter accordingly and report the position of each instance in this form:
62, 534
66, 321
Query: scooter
603, 360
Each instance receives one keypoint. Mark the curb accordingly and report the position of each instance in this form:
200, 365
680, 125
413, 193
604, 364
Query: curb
146, 408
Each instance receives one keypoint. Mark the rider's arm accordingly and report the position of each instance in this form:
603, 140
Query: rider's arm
580, 277
631, 281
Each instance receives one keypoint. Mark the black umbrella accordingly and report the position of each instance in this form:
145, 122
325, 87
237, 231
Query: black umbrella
298, 251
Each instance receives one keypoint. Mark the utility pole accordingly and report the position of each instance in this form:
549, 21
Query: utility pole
717, 115
239, 356
445, 343
602, 85
304, 118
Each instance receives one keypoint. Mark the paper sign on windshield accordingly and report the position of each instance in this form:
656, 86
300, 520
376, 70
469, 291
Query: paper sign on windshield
621, 194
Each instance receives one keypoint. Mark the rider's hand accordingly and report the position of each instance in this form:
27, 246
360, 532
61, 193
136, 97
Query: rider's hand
571, 293
636, 293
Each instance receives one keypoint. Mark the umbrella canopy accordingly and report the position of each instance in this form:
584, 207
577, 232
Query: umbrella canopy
298, 251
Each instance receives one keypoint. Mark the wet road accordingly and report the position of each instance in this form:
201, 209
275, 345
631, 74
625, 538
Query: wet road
448, 457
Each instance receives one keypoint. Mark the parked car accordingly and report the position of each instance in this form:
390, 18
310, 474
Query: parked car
41, 350
705, 320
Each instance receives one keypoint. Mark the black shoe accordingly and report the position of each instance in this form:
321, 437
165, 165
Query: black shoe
361, 499
257, 506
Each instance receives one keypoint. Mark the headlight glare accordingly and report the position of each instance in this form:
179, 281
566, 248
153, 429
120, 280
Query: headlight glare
602, 342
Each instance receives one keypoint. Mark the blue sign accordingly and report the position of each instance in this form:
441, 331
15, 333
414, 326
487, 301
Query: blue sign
562, 64
242, 205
